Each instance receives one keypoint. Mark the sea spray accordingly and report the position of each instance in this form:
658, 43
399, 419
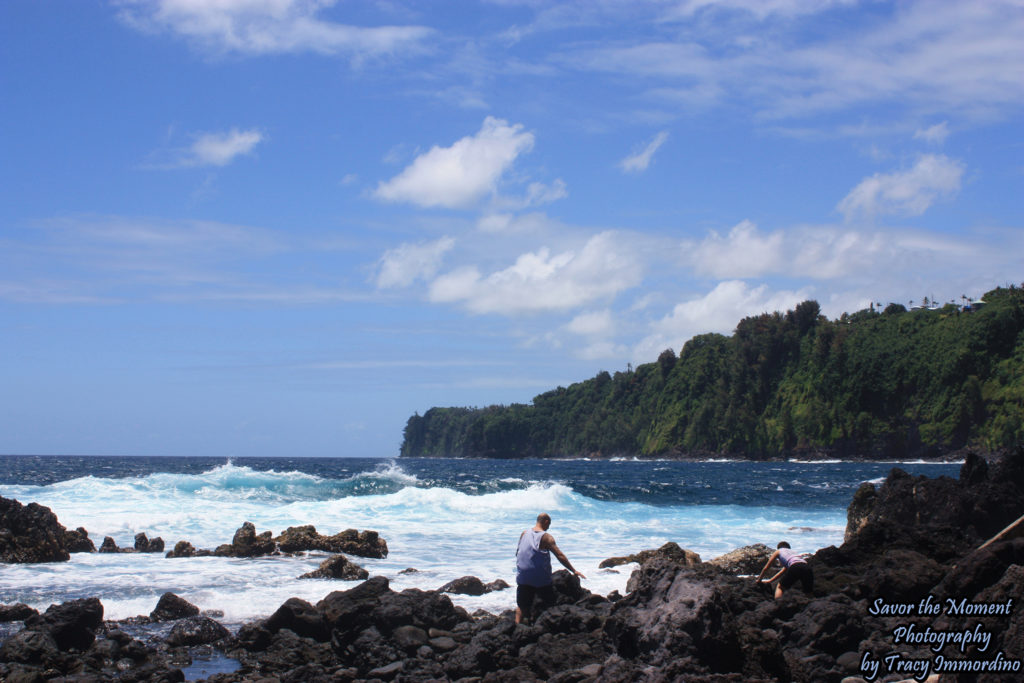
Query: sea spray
444, 518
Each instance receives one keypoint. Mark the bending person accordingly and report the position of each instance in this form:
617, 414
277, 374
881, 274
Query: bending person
533, 568
794, 568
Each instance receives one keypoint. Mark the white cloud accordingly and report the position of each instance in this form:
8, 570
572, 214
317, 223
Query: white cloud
717, 311
461, 175
639, 161
601, 350
220, 149
403, 265
541, 281
539, 193
267, 26
592, 324
910, 192
819, 252
935, 135
960, 57
535, 221
744, 252
759, 8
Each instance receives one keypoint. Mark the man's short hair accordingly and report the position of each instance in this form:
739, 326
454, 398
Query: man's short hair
544, 518
783, 544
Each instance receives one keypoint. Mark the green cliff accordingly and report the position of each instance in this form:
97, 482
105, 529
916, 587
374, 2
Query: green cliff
896, 383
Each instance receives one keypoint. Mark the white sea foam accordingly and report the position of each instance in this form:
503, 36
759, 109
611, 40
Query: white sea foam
441, 532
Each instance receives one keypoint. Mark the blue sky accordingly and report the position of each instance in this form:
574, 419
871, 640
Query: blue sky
280, 227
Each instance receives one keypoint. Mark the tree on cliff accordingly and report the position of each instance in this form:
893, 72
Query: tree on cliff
895, 383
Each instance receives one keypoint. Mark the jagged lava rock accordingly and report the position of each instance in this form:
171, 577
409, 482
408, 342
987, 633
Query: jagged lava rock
670, 551
72, 624
366, 543
171, 607
749, 559
246, 543
30, 533
148, 545
17, 612
78, 541
337, 567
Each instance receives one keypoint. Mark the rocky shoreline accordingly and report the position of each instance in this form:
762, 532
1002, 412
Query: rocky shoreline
913, 592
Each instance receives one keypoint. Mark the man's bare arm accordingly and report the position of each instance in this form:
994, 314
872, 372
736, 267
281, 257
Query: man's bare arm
547, 542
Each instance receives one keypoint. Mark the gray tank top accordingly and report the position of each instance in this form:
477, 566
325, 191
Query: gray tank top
533, 565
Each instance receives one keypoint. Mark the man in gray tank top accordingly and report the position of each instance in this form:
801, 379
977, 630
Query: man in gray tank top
533, 568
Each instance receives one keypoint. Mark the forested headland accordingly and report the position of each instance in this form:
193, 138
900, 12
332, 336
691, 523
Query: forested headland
894, 383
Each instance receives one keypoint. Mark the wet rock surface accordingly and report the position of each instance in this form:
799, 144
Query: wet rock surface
247, 543
337, 567
471, 585
30, 533
171, 607
350, 542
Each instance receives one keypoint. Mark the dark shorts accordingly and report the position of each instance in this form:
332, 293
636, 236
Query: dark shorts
798, 571
526, 594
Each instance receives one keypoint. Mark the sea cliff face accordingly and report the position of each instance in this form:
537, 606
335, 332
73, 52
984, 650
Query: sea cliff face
909, 593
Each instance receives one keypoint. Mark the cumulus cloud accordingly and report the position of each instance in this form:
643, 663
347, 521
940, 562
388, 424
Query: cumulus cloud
461, 175
403, 265
908, 193
744, 252
267, 26
541, 281
717, 311
220, 149
639, 161
935, 135
819, 252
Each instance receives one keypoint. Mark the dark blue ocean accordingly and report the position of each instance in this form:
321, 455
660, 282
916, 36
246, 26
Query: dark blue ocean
444, 518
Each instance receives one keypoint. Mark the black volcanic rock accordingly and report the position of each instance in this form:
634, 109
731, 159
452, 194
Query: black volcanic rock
17, 612
182, 549
78, 541
351, 542
109, 545
72, 624
471, 585
246, 543
171, 607
30, 533
670, 550
962, 512
69, 642
301, 618
197, 630
31, 647
746, 560
337, 567
148, 545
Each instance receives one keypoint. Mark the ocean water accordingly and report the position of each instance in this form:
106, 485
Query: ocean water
443, 518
